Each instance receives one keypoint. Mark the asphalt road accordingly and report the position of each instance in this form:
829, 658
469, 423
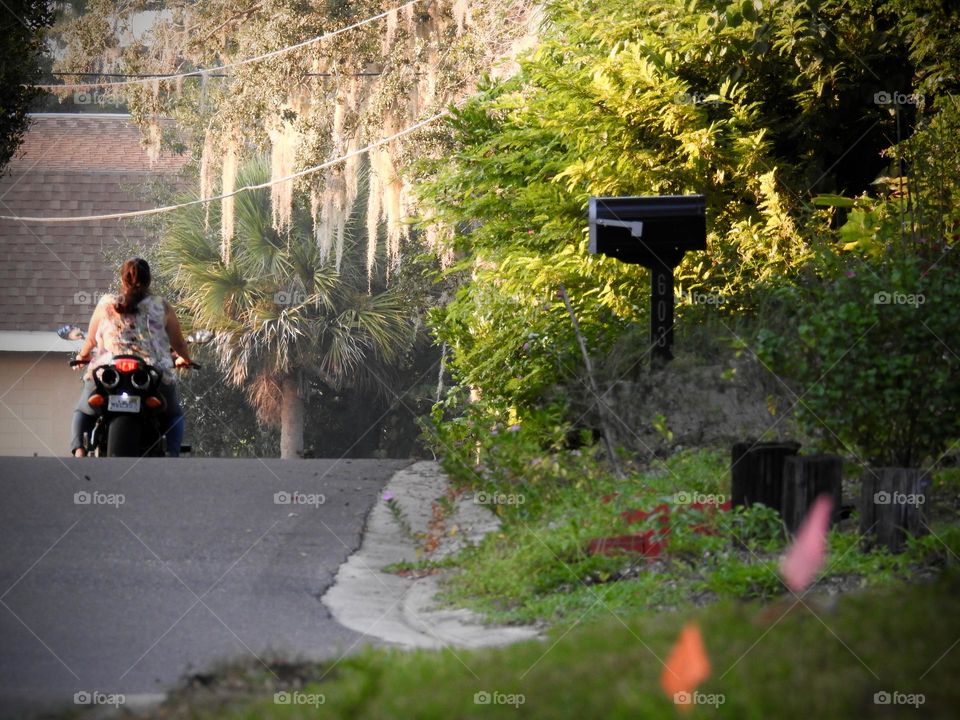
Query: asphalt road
168, 567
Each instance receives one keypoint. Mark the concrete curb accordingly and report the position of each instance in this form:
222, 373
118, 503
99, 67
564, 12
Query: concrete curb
403, 610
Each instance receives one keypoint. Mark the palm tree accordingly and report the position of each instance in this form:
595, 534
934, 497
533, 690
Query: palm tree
280, 314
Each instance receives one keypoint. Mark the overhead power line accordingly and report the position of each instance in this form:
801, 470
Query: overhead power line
196, 73
238, 63
169, 208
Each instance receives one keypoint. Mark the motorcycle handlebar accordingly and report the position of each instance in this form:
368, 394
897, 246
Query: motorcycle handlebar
191, 366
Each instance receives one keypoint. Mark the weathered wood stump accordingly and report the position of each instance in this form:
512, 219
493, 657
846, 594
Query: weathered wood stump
756, 471
892, 504
805, 477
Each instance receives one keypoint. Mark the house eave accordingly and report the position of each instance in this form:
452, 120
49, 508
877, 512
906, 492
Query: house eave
35, 341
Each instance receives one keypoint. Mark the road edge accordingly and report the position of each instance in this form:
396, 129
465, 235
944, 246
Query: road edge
404, 610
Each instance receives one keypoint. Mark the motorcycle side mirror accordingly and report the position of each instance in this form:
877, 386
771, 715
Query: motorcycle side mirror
200, 337
71, 332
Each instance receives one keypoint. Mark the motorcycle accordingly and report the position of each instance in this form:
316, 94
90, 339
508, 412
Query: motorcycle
128, 403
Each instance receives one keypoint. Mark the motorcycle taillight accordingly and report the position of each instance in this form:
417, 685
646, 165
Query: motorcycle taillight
126, 365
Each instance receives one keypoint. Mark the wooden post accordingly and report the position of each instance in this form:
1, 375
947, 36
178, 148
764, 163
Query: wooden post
892, 504
805, 477
756, 471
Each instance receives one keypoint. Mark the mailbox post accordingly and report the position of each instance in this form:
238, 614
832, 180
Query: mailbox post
654, 232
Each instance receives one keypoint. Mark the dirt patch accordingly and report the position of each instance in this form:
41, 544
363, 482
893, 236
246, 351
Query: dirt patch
689, 403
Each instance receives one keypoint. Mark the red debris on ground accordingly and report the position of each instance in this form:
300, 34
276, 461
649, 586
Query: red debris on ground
640, 543
651, 543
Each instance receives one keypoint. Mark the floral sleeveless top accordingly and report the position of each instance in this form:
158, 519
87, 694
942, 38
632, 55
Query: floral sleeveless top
142, 333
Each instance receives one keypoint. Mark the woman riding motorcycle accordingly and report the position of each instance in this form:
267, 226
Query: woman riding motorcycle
134, 323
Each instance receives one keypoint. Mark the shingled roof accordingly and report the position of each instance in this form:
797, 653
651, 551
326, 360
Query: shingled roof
69, 164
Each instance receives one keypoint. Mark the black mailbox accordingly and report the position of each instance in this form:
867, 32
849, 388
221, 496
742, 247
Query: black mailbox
654, 232
648, 230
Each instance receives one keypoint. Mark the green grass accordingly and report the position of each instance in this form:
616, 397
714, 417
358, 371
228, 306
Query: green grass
783, 660
537, 569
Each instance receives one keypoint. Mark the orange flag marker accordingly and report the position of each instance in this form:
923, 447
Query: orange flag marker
687, 666
805, 557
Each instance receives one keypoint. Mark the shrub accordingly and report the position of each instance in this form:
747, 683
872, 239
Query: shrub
871, 357
872, 346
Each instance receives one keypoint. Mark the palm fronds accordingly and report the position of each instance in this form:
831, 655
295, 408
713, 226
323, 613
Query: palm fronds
276, 308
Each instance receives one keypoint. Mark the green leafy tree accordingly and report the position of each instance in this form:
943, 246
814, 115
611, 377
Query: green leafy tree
759, 106
282, 317
22, 28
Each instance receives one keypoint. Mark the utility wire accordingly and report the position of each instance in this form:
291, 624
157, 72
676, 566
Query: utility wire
195, 73
169, 208
238, 63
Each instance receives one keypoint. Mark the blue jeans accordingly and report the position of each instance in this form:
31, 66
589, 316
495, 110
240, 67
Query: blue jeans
171, 423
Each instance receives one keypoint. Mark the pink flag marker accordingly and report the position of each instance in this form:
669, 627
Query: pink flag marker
805, 557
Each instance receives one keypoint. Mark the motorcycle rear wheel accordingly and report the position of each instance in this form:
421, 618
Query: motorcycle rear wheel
123, 437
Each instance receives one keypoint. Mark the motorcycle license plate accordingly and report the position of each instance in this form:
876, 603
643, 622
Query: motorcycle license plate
124, 404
